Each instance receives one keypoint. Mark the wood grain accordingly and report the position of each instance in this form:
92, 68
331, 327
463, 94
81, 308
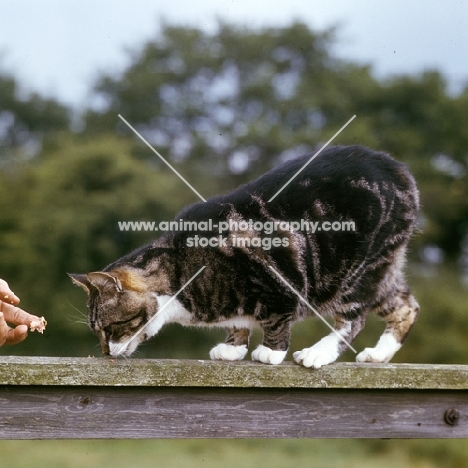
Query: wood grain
100, 412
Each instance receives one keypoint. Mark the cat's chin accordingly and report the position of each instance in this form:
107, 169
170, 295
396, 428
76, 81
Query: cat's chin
124, 349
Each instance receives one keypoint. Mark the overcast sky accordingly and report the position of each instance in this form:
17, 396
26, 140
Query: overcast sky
59, 46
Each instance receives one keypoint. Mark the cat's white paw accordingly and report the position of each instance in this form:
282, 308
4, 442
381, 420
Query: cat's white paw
382, 353
227, 352
322, 353
371, 355
268, 356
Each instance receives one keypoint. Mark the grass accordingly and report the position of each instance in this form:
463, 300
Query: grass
234, 453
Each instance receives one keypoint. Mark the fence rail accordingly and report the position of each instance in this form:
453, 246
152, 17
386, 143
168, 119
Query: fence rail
56, 398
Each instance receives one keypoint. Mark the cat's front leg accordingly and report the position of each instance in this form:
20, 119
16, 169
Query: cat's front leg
329, 348
276, 335
234, 348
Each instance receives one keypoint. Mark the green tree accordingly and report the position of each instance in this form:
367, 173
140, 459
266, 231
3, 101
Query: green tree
238, 101
231, 101
26, 120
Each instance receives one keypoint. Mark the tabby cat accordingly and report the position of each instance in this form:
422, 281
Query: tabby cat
250, 280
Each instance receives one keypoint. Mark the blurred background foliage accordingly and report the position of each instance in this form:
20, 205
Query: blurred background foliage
222, 108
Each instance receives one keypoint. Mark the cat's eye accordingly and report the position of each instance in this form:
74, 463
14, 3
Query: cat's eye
117, 329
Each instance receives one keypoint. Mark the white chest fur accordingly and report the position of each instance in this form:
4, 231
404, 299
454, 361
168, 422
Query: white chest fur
170, 310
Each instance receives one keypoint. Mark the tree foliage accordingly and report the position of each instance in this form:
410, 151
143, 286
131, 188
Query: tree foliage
239, 101
25, 122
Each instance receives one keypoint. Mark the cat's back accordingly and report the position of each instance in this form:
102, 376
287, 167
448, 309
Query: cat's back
344, 177
338, 165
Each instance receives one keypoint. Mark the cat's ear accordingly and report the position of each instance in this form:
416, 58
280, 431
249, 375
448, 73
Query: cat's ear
97, 280
80, 280
102, 281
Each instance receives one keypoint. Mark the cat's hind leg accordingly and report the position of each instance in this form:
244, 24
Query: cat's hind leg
234, 348
276, 336
400, 314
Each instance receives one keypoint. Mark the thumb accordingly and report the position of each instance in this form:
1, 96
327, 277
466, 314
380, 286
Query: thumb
9, 335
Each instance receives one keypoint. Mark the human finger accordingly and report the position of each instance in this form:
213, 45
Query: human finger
6, 294
10, 335
3, 329
16, 316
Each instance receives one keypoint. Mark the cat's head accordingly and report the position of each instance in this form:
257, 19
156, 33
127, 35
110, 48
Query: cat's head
120, 305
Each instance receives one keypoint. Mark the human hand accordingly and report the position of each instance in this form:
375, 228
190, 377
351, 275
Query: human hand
9, 314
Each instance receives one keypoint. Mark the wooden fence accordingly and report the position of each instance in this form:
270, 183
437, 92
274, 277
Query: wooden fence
74, 398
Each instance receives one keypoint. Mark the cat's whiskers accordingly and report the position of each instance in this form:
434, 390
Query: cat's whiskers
137, 354
81, 322
82, 318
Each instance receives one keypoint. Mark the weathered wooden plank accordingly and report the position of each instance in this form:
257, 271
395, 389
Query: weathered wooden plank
157, 412
101, 398
16, 370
